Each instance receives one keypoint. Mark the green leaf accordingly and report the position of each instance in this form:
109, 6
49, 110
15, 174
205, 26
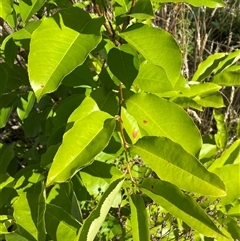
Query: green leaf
152, 78
201, 89
229, 77
29, 211
157, 46
231, 58
186, 102
160, 117
208, 66
230, 174
87, 138
6, 106
10, 50
124, 64
178, 166
6, 155
142, 10
60, 224
5, 8
94, 221
198, 3
131, 126
97, 177
80, 77
28, 8
25, 105
229, 156
106, 100
222, 134
65, 109
4, 79
139, 219
212, 100
22, 37
181, 206
87, 106
71, 41
15, 237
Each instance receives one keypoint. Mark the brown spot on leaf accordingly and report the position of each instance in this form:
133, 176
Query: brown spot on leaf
145, 122
134, 133
42, 86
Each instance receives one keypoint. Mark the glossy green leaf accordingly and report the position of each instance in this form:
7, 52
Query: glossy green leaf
17, 76
157, 46
186, 102
221, 136
5, 8
25, 105
15, 237
231, 58
229, 77
9, 49
28, 8
152, 78
178, 166
230, 174
235, 210
59, 45
80, 77
90, 136
29, 211
212, 100
97, 177
6, 155
160, 117
6, 106
124, 64
94, 221
106, 100
198, 3
60, 225
3, 79
208, 66
131, 126
201, 89
87, 106
181, 206
229, 156
22, 37
65, 109
139, 219
142, 10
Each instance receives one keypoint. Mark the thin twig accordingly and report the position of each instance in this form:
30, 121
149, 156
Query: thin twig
110, 30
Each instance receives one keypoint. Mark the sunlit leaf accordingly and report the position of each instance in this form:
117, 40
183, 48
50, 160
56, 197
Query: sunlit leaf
160, 117
181, 206
28, 8
29, 211
152, 78
59, 45
90, 136
198, 3
230, 174
157, 46
139, 219
94, 221
229, 156
5, 8
173, 164
124, 64
60, 225
229, 77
